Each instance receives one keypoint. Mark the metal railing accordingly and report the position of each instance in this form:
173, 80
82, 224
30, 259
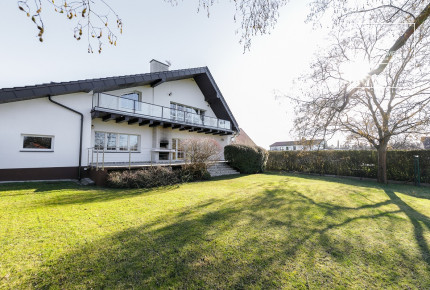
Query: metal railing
126, 105
99, 158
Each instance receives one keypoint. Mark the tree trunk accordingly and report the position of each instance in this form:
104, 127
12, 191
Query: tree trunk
382, 164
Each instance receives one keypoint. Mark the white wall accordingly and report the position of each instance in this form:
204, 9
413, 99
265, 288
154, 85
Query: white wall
41, 117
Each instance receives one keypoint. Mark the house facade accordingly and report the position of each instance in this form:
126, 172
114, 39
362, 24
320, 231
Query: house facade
59, 130
316, 144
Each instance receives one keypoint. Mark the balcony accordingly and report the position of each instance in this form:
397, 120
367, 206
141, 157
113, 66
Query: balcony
110, 107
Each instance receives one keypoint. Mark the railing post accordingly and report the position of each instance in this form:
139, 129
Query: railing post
98, 99
134, 106
88, 157
97, 160
103, 159
92, 156
129, 160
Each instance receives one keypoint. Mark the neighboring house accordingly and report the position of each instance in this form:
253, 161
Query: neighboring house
316, 144
243, 139
58, 130
425, 141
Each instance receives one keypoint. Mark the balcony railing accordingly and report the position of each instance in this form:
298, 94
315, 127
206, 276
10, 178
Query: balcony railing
125, 105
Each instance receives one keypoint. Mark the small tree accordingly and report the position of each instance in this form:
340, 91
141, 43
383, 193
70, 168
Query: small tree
201, 150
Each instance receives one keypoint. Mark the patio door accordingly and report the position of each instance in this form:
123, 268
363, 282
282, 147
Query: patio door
177, 150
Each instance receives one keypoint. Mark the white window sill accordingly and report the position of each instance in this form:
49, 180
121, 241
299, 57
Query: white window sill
35, 150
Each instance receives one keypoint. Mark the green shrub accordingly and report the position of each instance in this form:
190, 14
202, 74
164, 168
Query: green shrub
194, 172
246, 159
360, 163
144, 178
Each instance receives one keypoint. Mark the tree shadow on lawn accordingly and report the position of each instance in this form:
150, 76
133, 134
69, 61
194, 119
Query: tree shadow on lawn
101, 194
25, 188
260, 241
91, 194
417, 219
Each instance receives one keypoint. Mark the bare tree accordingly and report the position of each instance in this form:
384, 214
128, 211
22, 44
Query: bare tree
201, 150
381, 106
256, 17
92, 18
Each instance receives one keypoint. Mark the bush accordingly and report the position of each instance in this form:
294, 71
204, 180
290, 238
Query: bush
246, 159
144, 178
360, 163
194, 172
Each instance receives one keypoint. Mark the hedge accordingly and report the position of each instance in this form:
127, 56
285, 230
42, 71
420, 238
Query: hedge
144, 178
246, 159
360, 163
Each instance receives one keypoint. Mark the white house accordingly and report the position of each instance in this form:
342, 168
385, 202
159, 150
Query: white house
59, 130
316, 144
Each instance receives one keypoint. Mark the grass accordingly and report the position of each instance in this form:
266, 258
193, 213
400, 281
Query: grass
255, 231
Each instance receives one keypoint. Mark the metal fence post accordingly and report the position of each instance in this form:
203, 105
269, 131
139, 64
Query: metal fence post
97, 160
417, 177
103, 159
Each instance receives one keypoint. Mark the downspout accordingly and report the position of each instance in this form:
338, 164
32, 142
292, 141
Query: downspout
80, 138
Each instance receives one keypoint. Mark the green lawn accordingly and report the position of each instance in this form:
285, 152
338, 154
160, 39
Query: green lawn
255, 231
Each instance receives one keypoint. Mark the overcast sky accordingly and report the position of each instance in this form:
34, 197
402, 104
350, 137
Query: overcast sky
184, 37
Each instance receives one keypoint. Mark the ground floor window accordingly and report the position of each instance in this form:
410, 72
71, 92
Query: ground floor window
116, 142
37, 143
178, 153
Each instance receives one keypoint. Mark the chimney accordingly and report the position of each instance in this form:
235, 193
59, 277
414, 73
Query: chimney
157, 66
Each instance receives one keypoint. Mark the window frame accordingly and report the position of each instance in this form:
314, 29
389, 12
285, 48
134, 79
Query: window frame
123, 96
22, 149
178, 149
186, 109
117, 143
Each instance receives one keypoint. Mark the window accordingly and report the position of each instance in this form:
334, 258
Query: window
130, 101
37, 143
111, 141
186, 113
178, 153
116, 142
123, 142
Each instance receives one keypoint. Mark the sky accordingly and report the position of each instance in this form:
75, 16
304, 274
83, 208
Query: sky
157, 30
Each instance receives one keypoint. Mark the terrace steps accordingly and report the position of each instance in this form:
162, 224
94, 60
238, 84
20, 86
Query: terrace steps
221, 169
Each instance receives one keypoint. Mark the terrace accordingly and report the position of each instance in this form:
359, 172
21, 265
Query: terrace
121, 109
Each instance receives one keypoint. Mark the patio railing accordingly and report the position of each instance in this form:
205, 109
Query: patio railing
126, 105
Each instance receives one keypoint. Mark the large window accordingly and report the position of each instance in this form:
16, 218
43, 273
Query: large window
130, 101
116, 142
37, 143
185, 113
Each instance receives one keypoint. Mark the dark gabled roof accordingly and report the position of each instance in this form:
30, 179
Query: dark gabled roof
201, 75
302, 142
